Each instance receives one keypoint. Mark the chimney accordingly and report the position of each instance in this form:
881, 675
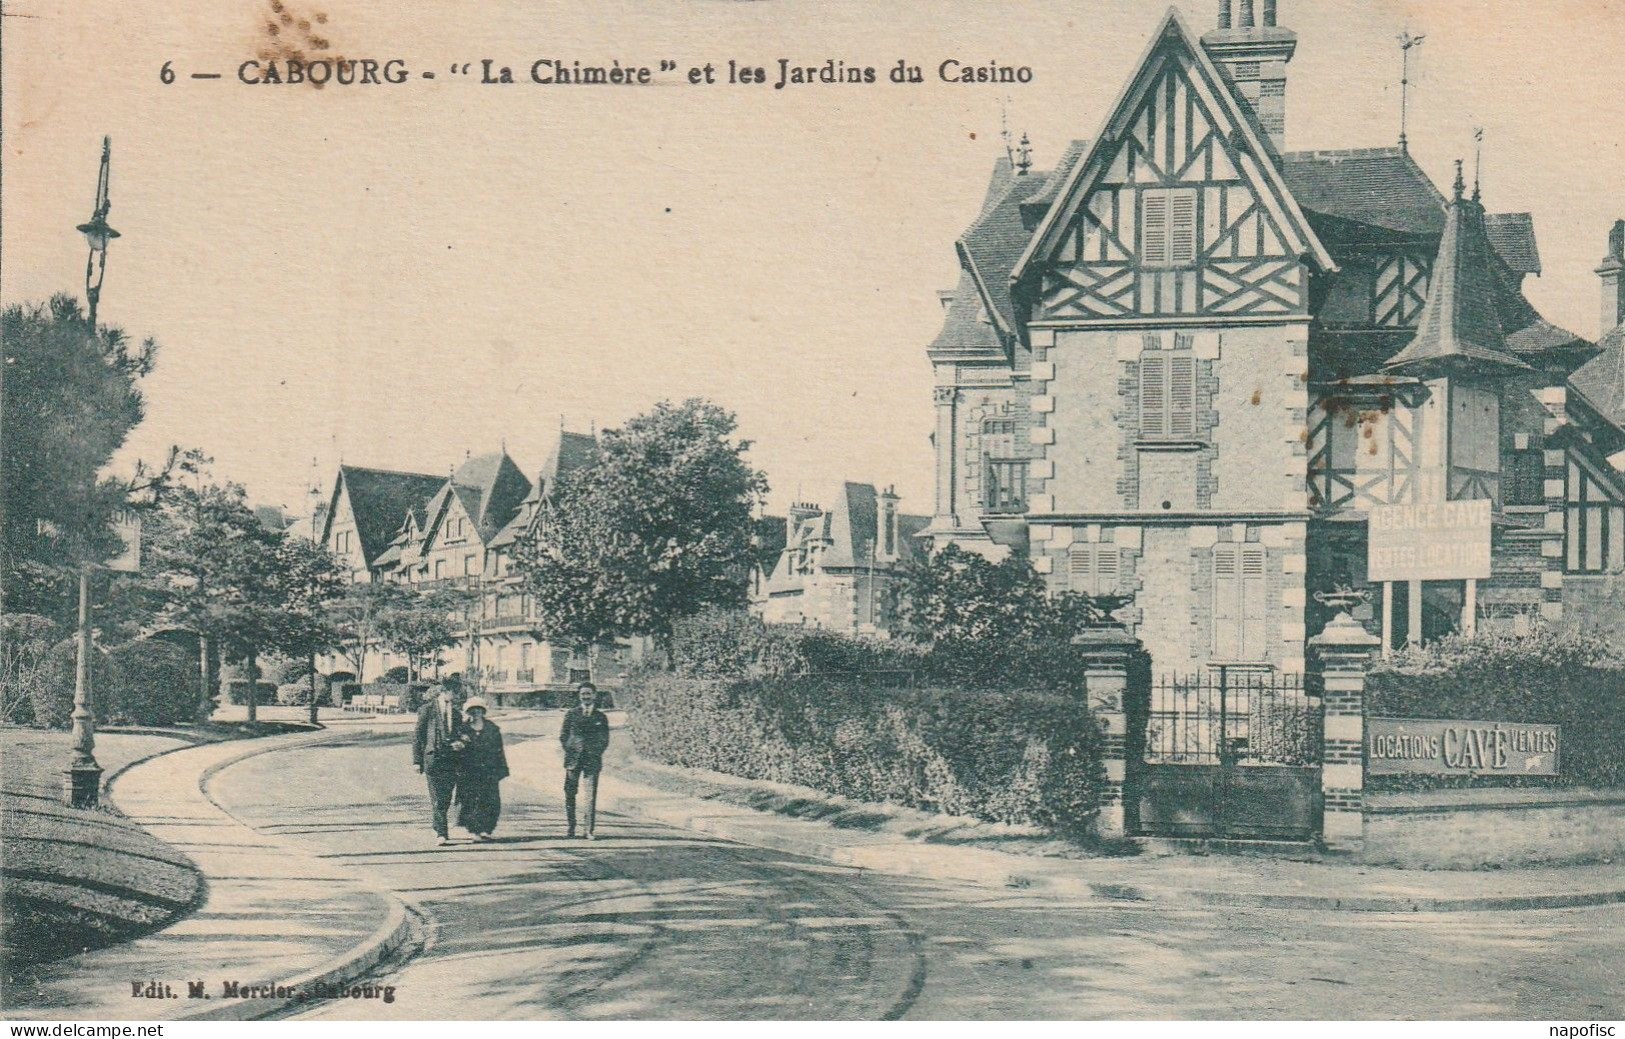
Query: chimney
1612, 272
1253, 57
886, 525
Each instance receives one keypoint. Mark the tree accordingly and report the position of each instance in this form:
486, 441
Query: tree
309, 580
659, 527
354, 616
954, 596
420, 626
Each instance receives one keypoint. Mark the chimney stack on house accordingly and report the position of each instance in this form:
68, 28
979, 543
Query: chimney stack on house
1612, 272
1253, 56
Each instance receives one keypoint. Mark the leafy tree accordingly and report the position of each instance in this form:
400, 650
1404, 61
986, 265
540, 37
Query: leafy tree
70, 400
421, 626
658, 528
309, 580
957, 597
354, 616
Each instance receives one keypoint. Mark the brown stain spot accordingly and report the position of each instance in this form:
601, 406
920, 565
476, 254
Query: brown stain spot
973, 135
299, 43
1303, 436
1258, 397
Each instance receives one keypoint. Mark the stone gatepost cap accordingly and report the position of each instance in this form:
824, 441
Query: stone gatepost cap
1346, 634
1112, 637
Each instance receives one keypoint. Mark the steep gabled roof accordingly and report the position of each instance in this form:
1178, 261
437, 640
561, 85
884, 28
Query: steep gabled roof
1461, 320
1258, 157
1602, 379
964, 330
490, 487
1513, 236
379, 500
1372, 187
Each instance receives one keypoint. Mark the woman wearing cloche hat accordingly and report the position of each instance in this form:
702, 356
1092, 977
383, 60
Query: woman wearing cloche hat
484, 765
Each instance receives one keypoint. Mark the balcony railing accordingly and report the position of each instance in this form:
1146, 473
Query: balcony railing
527, 675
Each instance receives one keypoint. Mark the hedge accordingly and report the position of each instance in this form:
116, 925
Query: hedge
1022, 758
156, 684
1554, 675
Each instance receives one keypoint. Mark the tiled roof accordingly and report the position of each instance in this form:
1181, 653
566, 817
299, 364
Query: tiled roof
1375, 187
491, 488
963, 329
1460, 323
1602, 379
1513, 236
379, 500
993, 244
572, 451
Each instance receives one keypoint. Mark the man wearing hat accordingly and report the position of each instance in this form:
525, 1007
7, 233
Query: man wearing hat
436, 745
585, 735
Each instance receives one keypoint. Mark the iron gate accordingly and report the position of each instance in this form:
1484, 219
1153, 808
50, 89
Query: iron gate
1231, 752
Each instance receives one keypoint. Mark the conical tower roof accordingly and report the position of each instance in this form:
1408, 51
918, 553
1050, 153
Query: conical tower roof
1460, 329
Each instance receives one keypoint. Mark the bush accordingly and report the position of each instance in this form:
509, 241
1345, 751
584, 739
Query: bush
156, 684
1023, 758
52, 695
285, 670
296, 693
1555, 675
400, 673
25, 643
413, 696
237, 692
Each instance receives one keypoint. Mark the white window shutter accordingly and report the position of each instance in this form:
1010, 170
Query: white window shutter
1154, 394
1082, 569
1254, 592
1182, 395
1182, 228
1226, 603
1154, 229
1107, 559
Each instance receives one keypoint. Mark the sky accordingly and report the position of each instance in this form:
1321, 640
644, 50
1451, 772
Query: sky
399, 276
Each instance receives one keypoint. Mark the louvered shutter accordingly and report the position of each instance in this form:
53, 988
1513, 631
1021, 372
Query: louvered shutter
1106, 570
1081, 571
1154, 229
1182, 228
1154, 394
1253, 603
1182, 395
1226, 603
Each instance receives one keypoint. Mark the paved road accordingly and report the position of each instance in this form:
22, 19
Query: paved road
654, 922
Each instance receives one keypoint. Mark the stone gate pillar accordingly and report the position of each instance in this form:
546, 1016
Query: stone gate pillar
1343, 652
1106, 687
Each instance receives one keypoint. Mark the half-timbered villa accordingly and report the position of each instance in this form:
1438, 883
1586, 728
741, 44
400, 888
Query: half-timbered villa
1189, 365
460, 531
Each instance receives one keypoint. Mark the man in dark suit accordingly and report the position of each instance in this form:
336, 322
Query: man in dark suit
435, 747
585, 735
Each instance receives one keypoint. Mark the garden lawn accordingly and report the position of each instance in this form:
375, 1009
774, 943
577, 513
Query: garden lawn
79, 879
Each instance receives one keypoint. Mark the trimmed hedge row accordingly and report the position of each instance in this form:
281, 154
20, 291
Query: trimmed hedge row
1022, 758
144, 682
1555, 675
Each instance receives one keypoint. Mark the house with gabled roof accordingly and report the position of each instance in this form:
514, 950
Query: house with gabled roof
460, 530
1188, 365
839, 567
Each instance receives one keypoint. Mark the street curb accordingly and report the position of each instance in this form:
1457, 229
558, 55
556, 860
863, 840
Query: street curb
872, 857
342, 970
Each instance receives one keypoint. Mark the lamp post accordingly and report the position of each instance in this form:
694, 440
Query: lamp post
82, 781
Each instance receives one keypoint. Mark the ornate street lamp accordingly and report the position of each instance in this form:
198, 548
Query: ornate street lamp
82, 783
98, 234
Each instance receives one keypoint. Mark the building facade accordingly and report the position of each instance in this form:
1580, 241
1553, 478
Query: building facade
460, 531
1186, 365
840, 566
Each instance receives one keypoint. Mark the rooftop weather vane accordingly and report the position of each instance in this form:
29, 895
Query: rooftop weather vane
1024, 156
1004, 130
1478, 158
1406, 42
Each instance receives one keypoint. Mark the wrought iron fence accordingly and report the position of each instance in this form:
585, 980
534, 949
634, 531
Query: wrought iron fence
1230, 715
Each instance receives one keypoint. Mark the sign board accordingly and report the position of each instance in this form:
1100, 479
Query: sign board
1434, 541
1460, 748
128, 527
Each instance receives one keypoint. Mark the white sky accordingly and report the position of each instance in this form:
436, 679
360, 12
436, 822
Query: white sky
403, 274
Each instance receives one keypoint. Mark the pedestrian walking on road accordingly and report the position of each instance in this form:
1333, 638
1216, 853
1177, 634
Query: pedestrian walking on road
484, 765
438, 741
585, 735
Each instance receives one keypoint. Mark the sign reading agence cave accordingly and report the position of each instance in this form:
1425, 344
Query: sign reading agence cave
1460, 748
1432, 541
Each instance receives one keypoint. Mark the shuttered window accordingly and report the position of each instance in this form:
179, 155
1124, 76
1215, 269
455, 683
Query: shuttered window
1094, 569
1168, 394
1168, 227
1239, 602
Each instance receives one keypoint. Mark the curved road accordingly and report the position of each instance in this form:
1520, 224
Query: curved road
655, 922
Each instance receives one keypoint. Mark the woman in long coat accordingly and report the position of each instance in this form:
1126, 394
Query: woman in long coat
482, 766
